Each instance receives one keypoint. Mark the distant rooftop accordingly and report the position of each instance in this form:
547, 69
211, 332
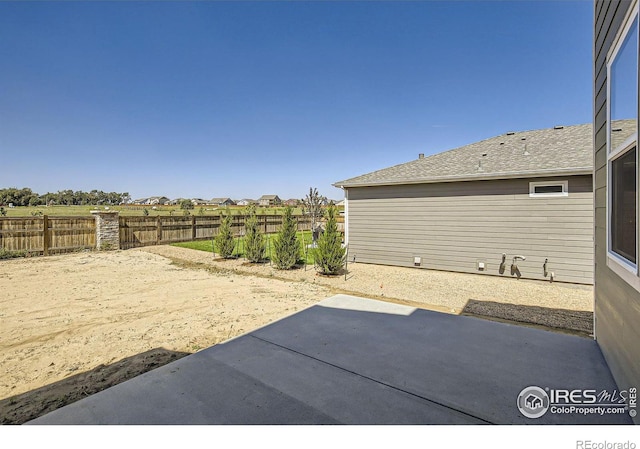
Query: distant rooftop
561, 150
268, 197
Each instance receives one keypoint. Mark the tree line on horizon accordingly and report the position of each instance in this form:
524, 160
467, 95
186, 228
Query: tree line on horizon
27, 197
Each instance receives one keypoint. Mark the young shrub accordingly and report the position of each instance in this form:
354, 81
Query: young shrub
285, 244
312, 206
223, 242
4, 254
186, 204
254, 242
329, 254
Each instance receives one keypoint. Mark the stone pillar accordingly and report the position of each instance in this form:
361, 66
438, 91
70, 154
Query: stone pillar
107, 229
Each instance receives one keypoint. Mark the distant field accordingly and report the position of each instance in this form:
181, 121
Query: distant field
139, 210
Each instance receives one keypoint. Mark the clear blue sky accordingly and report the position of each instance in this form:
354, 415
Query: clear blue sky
241, 99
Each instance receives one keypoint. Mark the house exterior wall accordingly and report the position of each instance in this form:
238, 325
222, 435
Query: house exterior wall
269, 201
453, 226
617, 304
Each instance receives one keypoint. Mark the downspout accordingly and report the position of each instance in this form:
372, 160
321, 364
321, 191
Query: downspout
346, 216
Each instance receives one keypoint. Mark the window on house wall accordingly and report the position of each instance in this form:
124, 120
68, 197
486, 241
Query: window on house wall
548, 189
622, 159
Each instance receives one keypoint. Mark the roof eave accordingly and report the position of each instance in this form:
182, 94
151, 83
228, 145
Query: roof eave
487, 177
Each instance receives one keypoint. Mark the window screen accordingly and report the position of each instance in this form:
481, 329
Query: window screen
549, 189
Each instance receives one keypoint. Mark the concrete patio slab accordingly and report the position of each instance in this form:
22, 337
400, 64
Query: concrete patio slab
351, 360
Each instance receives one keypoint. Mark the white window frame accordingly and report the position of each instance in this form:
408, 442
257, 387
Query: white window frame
624, 268
533, 185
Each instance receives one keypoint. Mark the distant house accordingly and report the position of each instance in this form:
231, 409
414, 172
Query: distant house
175, 202
222, 202
269, 200
151, 201
292, 202
158, 200
519, 204
246, 202
199, 202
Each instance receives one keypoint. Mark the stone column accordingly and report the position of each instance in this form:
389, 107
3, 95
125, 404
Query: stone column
107, 229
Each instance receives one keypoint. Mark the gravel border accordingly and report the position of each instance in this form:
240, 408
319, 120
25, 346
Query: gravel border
554, 305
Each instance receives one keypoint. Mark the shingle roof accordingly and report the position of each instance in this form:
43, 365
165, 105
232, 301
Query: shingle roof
544, 152
219, 200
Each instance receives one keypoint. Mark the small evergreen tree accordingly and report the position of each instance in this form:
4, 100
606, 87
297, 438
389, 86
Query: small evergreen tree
224, 242
329, 254
286, 245
186, 204
254, 243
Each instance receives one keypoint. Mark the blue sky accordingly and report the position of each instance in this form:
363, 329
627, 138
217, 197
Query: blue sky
240, 99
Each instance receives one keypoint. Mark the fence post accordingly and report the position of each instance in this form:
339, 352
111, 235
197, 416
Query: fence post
46, 240
265, 222
107, 229
193, 227
159, 230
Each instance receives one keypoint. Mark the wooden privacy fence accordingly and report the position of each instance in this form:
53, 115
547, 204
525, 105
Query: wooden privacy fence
47, 235
53, 235
145, 231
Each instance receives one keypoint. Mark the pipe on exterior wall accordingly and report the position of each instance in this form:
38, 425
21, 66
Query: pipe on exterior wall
514, 265
346, 216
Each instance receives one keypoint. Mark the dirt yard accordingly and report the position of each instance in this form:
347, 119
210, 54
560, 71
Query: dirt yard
75, 324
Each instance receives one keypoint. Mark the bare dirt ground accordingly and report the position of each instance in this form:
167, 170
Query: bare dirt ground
75, 324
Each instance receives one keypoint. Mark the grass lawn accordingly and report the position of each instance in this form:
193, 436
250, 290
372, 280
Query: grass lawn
304, 237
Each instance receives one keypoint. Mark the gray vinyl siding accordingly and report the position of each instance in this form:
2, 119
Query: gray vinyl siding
452, 226
617, 305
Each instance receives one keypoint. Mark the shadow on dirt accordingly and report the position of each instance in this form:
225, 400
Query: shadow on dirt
32, 404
